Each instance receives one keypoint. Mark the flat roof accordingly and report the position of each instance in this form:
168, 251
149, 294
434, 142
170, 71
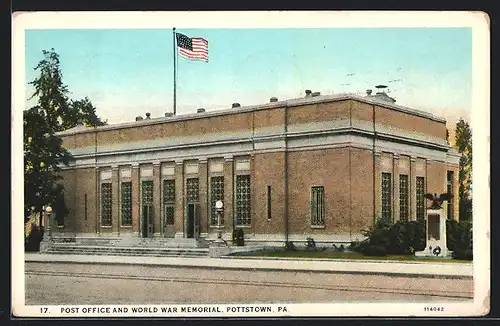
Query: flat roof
250, 108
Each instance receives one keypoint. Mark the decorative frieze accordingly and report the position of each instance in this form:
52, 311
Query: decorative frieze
168, 170
146, 171
216, 167
243, 165
191, 168
105, 175
125, 173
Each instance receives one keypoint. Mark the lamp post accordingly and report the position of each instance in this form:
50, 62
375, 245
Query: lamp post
48, 211
219, 207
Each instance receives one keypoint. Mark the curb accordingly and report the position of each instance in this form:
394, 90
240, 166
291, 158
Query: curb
216, 264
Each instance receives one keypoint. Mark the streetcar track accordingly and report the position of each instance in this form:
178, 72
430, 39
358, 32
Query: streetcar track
440, 293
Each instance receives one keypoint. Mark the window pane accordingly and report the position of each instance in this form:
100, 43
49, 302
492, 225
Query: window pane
126, 203
420, 198
106, 207
403, 197
386, 197
192, 189
168, 202
243, 200
216, 193
147, 192
317, 206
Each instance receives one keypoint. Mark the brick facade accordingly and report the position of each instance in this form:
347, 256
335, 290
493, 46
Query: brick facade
331, 142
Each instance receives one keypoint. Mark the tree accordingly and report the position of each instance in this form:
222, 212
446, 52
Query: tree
43, 155
463, 142
43, 151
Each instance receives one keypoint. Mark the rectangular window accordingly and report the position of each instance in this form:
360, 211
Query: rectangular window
403, 197
420, 193
386, 197
268, 202
317, 206
169, 201
449, 190
216, 193
106, 206
85, 206
243, 200
126, 203
193, 190
147, 192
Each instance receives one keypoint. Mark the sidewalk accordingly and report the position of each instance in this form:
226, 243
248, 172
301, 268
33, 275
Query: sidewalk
407, 269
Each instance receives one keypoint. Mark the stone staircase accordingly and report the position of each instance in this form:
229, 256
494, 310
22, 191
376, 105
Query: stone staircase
163, 247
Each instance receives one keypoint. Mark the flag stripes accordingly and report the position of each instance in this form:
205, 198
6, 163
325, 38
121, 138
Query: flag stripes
195, 48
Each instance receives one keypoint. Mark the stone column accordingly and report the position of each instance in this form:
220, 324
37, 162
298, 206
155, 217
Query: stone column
204, 206
228, 194
157, 199
97, 201
395, 201
413, 189
115, 201
179, 199
135, 199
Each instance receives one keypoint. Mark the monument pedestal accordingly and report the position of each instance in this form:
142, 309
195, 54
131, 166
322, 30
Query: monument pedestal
435, 235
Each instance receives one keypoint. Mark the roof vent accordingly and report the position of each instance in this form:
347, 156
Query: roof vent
138, 118
200, 110
273, 99
169, 114
236, 105
368, 92
316, 94
308, 92
148, 115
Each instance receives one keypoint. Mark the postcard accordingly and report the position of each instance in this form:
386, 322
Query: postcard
250, 164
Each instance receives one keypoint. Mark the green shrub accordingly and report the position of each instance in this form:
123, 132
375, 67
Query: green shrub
400, 238
459, 239
311, 244
375, 250
32, 241
290, 246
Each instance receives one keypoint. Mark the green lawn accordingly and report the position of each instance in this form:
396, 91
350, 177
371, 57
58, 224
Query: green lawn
342, 255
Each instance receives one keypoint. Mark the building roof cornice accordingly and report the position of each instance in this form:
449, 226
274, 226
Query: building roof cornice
251, 108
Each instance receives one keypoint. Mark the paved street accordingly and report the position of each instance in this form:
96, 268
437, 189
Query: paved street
56, 283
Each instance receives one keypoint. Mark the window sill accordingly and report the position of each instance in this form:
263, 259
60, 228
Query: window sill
106, 226
317, 226
216, 227
242, 226
126, 226
60, 226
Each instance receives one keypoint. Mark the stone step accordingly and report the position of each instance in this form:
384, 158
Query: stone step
93, 250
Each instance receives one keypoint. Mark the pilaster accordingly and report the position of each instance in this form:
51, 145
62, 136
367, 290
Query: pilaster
413, 187
228, 193
135, 198
204, 206
395, 188
179, 195
115, 201
157, 198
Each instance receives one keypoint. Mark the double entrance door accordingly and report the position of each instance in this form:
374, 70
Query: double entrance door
192, 224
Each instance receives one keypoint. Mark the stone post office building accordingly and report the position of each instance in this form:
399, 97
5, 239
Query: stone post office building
321, 166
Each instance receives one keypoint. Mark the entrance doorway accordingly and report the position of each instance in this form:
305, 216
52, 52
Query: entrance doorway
147, 221
193, 221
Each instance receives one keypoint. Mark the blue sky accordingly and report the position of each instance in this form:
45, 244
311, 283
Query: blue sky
126, 73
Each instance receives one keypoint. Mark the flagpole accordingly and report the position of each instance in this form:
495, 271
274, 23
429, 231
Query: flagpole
175, 75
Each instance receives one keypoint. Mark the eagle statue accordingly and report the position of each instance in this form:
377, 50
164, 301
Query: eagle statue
437, 201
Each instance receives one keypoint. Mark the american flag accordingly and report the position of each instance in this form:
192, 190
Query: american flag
195, 48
